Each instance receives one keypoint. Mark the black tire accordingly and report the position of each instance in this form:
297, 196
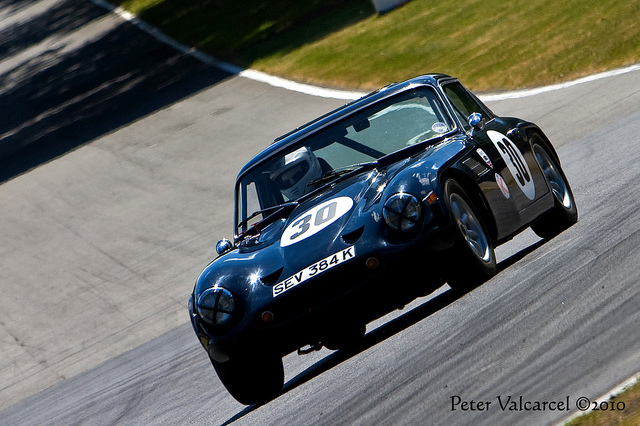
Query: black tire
345, 338
472, 259
252, 381
564, 212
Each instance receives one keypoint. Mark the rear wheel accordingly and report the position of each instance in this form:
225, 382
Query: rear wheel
564, 212
251, 381
472, 259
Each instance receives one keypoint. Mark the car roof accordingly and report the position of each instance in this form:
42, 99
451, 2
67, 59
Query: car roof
319, 123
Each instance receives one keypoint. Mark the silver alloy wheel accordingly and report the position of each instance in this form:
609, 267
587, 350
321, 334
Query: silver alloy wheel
553, 176
470, 227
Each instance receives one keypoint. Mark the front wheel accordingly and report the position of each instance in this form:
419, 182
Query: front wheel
345, 338
472, 259
252, 380
564, 212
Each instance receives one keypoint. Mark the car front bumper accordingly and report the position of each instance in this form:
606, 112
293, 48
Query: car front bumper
381, 278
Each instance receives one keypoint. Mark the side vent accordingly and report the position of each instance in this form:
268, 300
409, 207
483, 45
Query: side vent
475, 166
353, 236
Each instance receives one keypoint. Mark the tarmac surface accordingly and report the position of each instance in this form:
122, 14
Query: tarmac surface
103, 236
119, 160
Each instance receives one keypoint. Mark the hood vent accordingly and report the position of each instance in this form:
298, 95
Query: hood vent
272, 278
353, 236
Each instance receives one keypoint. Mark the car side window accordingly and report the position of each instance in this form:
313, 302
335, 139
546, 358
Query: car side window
463, 104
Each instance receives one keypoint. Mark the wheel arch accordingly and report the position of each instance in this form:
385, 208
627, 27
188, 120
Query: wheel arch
477, 198
533, 134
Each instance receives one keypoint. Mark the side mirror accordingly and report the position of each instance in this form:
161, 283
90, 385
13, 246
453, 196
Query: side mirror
223, 245
476, 121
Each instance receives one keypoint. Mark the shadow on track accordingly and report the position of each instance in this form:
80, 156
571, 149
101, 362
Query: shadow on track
247, 31
60, 19
62, 98
14, 5
371, 339
513, 259
385, 331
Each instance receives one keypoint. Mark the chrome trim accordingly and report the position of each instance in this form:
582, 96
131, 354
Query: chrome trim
553, 177
397, 209
223, 246
470, 227
212, 312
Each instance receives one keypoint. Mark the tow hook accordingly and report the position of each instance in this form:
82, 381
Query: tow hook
311, 348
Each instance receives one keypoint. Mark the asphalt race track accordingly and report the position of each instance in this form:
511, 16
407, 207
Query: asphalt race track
119, 160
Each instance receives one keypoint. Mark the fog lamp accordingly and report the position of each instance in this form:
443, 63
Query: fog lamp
372, 263
267, 316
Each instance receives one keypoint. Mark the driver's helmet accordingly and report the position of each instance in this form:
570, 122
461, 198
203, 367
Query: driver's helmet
292, 174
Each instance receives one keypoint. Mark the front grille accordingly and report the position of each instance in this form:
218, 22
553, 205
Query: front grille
315, 294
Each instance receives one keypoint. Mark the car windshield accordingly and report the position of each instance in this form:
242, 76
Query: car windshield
412, 117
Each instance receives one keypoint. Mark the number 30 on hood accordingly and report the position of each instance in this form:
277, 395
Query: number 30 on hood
315, 220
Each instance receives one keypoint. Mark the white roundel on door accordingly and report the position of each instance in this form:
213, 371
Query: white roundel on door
515, 162
315, 220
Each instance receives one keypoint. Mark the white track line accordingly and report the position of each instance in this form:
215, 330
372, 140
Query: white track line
351, 95
605, 398
531, 92
321, 91
232, 69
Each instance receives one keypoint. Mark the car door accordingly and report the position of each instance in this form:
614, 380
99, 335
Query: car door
511, 187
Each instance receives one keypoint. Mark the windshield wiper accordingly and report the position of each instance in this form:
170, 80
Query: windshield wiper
333, 174
411, 150
262, 211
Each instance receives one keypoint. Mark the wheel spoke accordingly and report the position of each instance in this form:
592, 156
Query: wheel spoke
470, 228
474, 244
553, 177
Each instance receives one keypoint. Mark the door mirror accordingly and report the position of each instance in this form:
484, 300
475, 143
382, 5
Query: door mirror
476, 121
223, 246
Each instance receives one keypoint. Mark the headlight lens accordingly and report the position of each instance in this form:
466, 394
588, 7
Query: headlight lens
402, 212
216, 306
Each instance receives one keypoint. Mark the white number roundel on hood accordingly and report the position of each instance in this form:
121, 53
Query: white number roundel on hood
315, 220
515, 162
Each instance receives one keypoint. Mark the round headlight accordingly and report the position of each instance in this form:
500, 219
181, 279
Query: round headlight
216, 306
402, 211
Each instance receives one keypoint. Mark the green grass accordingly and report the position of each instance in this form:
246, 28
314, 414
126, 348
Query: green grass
630, 416
489, 44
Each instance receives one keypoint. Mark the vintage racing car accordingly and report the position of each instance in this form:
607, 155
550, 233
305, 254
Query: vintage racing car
357, 213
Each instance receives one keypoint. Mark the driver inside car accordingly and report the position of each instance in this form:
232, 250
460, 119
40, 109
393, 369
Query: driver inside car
292, 173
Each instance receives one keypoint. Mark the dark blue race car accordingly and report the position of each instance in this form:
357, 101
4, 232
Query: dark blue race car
361, 211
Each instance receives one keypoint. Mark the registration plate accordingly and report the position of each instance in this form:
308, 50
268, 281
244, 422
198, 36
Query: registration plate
314, 270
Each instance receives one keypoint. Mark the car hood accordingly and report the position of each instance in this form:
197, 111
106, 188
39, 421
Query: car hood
310, 232
328, 221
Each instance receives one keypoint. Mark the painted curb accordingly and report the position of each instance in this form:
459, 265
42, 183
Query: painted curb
326, 92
